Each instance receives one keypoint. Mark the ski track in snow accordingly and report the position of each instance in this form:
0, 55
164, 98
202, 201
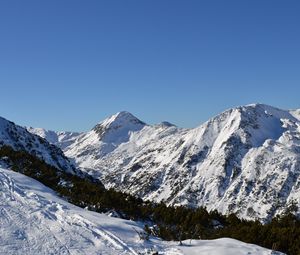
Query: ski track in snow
29, 211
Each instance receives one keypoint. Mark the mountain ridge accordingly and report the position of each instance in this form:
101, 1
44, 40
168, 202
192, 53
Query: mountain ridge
244, 160
20, 139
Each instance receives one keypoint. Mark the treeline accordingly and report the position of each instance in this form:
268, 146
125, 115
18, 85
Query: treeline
167, 222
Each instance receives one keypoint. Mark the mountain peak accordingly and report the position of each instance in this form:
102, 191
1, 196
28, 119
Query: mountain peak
268, 111
119, 119
166, 124
117, 127
257, 105
125, 116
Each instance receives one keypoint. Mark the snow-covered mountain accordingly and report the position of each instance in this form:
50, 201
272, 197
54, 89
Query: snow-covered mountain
245, 160
34, 220
20, 139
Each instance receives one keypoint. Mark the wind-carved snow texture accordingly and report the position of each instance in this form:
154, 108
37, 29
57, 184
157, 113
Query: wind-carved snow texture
20, 139
245, 160
33, 220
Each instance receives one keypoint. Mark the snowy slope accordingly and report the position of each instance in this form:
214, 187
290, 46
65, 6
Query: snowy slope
34, 220
245, 160
20, 139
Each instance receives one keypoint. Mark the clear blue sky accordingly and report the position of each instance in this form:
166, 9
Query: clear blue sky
67, 64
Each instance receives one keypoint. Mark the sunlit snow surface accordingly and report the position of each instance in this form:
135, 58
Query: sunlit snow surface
33, 220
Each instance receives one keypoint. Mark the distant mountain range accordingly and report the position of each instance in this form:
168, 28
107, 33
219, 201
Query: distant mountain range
246, 160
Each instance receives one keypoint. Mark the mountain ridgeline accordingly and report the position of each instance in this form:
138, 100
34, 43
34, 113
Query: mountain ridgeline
244, 161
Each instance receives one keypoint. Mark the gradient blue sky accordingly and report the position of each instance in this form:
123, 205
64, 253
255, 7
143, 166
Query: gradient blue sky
67, 64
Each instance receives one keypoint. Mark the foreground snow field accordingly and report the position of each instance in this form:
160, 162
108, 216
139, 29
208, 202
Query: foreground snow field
33, 220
